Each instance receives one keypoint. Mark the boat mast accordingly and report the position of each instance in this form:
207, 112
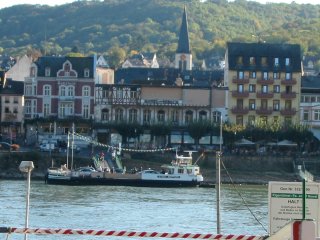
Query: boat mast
72, 146
68, 151
218, 159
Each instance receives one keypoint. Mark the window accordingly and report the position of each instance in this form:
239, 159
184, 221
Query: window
161, 116
216, 117
46, 109
276, 88
264, 119
316, 114
65, 109
265, 75
203, 115
62, 91
251, 120
15, 100
288, 89
276, 62
47, 90
240, 103
240, 75
239, 120
32, 72
264, 104
27, 107
189, 117
287, 62
85, 111
253, 75
305, 115
47, 71
175, 116
288, 76
119, 115
264, 61
240, 88
105, 114
252, 88
276, 105
264, 88
86, 73
7, 99
6, 110
239, 60
288, 105
70, 91
146, 116
133, 115
276, 75
15, 110
252, 104
28, 91
86, 91
252, 61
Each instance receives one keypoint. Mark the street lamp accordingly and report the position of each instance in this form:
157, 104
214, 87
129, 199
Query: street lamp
27, 167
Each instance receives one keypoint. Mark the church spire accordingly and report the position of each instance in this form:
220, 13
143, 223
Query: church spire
183, 44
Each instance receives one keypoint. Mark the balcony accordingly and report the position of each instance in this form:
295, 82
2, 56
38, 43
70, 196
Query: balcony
288, 95
10, 117
288, 112
264, 111
239, 110
289, 82
264, 95
240, 81
268, 81
238, 94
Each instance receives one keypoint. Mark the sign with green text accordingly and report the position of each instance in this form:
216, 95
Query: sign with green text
286, 203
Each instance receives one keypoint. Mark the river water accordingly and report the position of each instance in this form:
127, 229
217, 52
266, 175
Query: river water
183, 210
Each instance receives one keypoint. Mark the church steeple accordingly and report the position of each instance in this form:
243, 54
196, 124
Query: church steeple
183, 44
183, 56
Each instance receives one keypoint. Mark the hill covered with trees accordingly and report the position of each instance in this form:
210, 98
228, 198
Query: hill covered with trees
118, 28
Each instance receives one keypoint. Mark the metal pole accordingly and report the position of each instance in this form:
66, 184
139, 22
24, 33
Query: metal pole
27, 203
68, 145
218, 159
304, 199
72, 146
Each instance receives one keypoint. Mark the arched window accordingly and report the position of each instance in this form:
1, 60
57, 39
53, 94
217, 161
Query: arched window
105, 114
133, 115
161, 116
119, 115
188, 117
203, 115
146, 116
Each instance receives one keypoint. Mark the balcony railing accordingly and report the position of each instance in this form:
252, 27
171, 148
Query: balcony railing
264, 95
264, 111
288, 112
239, 110
268, 81
10, 116
238, 94
238, 80
289, 82
288, 95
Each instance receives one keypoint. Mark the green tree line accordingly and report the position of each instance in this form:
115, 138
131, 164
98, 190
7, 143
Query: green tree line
119, 28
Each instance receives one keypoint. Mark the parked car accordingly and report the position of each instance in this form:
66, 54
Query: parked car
46, 147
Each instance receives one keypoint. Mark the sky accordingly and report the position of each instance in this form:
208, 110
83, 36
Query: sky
8, 3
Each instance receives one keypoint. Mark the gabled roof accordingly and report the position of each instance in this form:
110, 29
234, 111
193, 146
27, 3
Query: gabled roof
55, 64
183, 44
268, 50
12, 88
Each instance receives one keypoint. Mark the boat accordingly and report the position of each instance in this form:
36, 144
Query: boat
181, 172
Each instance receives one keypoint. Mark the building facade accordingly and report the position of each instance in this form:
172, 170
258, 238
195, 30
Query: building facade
264, 82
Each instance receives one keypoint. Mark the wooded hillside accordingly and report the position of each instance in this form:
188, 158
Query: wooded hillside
126, 26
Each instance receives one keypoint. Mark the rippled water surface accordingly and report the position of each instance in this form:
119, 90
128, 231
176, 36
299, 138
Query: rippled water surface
131, 209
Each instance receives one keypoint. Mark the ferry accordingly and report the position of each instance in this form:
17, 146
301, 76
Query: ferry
181, 172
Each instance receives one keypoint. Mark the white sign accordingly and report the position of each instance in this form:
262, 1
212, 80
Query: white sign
285, 203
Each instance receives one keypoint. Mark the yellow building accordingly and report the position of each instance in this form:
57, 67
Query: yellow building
264, 82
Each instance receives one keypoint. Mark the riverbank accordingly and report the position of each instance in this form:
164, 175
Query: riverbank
239, 171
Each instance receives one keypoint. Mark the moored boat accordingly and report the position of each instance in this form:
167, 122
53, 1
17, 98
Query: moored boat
180, 173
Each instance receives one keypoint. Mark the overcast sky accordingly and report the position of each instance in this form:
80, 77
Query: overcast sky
8, 3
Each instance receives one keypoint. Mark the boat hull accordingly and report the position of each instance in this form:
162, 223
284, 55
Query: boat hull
76, 181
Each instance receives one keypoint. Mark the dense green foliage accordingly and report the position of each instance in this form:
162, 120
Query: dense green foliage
111, 26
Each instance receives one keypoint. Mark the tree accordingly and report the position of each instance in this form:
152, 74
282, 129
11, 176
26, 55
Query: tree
198, 129
116, 56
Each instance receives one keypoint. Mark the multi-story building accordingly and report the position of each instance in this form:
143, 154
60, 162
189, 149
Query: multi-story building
264, 82
11, 105
61, 91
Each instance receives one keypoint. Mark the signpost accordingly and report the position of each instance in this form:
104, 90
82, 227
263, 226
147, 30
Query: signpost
287, 203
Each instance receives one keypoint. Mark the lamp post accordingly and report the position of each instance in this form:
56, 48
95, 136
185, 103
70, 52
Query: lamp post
27, 167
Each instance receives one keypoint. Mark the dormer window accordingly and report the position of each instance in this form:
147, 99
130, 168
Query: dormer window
86, 73
287, 62
264, 61
47, 71
276, 62
239, 60
32, 72
252, 61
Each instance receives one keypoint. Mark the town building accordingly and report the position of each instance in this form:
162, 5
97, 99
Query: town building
264, 82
